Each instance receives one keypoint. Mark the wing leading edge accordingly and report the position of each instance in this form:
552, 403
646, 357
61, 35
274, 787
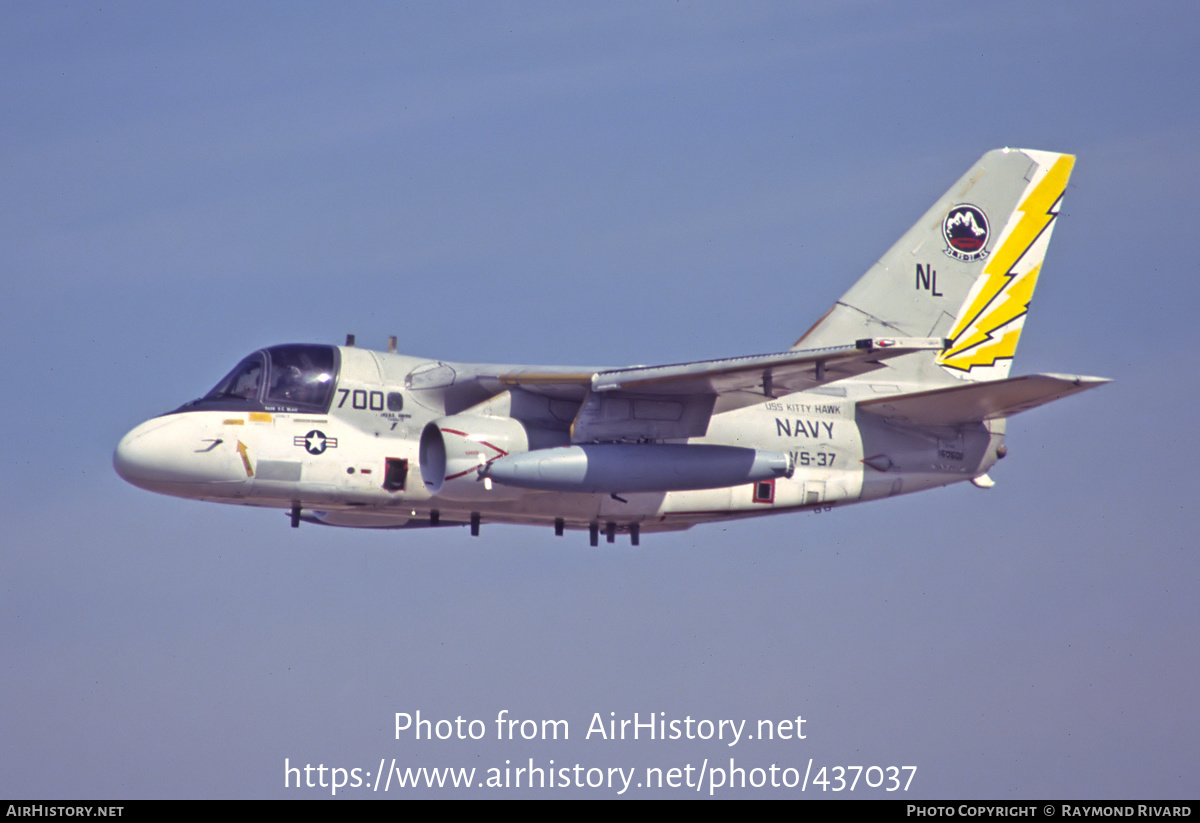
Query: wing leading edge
763, 375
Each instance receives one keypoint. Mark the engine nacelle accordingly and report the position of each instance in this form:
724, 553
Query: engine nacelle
613, 468
454, 450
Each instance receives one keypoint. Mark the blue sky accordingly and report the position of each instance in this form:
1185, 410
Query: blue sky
626, 183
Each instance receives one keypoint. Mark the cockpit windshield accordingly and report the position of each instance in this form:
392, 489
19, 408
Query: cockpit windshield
244, 382
294, 377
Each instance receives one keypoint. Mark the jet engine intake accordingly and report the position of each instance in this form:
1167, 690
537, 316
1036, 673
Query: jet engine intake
455, 450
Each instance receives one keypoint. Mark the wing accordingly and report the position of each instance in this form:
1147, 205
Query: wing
673, 401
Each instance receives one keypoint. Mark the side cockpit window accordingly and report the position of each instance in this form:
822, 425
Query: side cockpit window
302, 377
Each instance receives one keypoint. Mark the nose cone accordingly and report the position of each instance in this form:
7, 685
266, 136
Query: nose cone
176, 454
139, 457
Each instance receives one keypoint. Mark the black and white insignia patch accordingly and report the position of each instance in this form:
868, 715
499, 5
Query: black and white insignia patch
965, 228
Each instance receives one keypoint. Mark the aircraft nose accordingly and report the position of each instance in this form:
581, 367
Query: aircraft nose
163, 453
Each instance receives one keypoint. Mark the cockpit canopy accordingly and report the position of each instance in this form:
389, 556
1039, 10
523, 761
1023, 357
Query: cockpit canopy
297, 377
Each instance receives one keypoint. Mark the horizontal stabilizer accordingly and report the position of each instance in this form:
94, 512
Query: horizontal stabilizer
975, 402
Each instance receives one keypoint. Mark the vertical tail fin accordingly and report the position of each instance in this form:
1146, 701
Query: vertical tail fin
984, 336
966, 271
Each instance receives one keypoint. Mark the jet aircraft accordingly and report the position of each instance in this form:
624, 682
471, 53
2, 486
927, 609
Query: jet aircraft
903, 385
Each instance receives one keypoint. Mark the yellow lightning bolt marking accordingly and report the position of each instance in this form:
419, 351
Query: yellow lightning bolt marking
241, 447
987, 313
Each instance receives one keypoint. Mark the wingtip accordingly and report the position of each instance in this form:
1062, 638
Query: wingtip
1082, 380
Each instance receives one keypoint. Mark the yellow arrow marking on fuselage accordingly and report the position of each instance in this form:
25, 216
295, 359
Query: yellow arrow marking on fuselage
241, 447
